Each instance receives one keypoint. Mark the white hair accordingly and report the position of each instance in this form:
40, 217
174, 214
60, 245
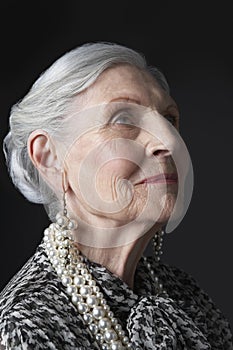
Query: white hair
48, 100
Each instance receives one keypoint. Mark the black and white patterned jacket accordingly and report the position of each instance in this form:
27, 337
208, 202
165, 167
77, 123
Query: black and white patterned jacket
36, 313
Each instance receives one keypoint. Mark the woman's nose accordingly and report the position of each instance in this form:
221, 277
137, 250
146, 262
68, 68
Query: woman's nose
157, 136
161, 153
157, 149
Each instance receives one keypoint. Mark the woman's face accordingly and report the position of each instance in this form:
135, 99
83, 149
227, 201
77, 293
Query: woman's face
120, 165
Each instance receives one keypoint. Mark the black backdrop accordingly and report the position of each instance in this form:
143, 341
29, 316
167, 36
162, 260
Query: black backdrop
191, 43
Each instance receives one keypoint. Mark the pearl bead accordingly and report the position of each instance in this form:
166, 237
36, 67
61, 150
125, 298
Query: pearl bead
59, 239
80, 258
74, 249
52, 226
98, 312
110, 335
106, 307
80, 265
125, 340
66, 280
60, 271
79, 280
88, 318
76, 298
84, 290
72, 225
49, 245
63, 261
65, 243
99, 338
88, 277
59, 214
96, 289
58, 233
121, 334
55, 262
99, 295
82, 308
116, 345
93, 328
52, 253
67, 234
104, 323
62, 220
110, 314
46, 232
114, 320
62, 252
71, 270
84, 272
105, 347
73, 261
92, 301
92, 283
118, 327
71, 290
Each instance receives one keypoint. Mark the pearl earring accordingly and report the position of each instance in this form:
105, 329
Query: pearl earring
62, 218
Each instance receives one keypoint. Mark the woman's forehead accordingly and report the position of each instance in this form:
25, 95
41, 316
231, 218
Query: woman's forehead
125, 83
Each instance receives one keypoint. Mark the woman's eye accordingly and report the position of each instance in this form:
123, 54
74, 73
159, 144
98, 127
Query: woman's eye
124, 119
171, 119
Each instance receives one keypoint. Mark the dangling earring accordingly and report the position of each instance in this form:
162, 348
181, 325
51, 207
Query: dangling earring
62, 218
157, 244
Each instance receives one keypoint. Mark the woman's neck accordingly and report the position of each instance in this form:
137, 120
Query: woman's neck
121, 261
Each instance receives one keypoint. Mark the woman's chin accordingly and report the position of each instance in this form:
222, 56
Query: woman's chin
167, 206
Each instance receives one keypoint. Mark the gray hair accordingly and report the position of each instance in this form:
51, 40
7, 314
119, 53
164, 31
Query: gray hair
47, 103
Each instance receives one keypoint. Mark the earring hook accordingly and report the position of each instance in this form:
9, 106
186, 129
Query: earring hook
65, 188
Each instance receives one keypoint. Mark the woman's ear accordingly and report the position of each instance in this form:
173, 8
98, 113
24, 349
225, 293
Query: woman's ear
43, 155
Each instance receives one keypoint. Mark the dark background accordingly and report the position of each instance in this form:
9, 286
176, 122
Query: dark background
192, 44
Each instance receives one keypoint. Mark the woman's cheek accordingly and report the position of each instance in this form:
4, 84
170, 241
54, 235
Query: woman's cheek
99, 174
112, 184
101, 185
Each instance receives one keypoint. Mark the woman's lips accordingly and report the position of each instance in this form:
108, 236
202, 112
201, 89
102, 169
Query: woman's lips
160, 178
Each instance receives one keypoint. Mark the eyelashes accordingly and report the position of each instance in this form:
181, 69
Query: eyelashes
123, 118
171, 118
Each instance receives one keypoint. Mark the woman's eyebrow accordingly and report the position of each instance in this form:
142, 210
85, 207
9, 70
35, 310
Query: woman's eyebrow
172, 106
126, 99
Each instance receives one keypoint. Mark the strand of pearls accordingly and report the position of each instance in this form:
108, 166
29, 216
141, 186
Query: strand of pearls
81, 287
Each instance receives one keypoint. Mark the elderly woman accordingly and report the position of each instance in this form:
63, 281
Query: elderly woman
96, 141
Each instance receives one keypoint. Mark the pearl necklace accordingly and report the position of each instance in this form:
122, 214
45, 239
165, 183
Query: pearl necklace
81, 286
